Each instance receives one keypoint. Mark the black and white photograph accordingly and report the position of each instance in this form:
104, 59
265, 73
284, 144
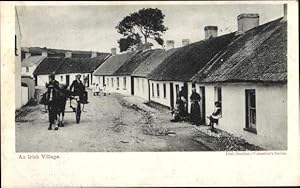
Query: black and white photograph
149, 93
151, 78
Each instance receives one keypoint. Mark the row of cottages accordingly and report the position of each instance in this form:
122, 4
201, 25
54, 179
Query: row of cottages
249, 77
66, 69
104, 75
127, 69
139, 75
175, 72
244, 70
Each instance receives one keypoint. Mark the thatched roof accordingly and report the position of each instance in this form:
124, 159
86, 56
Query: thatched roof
188, 60
113, 63
154, 60
129, 66
69, 65
48, 65
32, 60
80, 65
258, 55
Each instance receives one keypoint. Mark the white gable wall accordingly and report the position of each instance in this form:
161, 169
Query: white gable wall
30, 70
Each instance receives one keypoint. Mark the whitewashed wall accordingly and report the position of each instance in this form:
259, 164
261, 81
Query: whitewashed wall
111, 84
160, 99
141, 88
18, 89
271, 112
30, 71
24, 97
98, 80
42, 80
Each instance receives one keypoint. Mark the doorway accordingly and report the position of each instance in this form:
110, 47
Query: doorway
202, 104
132, 85
67, 80
171, 96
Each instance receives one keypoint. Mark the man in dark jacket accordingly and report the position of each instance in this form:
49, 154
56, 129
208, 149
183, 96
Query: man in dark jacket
52, 92
195, 108
78, 89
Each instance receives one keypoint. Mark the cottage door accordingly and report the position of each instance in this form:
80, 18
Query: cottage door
132, 85
67, 80
202, 104
250, 110
171, 96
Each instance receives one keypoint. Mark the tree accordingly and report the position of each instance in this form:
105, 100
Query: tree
139, 27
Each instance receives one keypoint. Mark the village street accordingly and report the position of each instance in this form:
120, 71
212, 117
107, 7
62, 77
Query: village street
109, 123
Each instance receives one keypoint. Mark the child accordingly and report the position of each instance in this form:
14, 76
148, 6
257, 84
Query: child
97, 89
94, 89
178, 111
104, 92
216, 115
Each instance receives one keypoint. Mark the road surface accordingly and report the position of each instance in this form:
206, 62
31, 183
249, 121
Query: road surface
112, 123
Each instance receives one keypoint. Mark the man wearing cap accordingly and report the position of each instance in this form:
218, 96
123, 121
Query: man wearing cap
52, 89
78, 88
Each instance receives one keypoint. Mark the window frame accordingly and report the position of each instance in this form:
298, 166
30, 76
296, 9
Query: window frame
152, 86
124, 83
157, 90
118, 83
250, 126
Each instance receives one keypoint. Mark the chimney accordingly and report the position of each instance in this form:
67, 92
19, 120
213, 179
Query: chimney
285, 10
210, 31
170, 44
247, 21
44, 53
185, 42
94, 54
27, 55
113, 51
68, 54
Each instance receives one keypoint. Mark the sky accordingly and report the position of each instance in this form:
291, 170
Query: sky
92, 27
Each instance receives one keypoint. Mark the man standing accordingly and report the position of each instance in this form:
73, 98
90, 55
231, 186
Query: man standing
78, 89
52, 89
195, 107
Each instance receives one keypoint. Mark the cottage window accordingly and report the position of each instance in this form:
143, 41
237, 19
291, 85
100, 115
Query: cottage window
138, 84
143, 85
61, 78
27, 69
152, 86
124, 82
118, 83
165, 90
250, 111
157, 86
112, 82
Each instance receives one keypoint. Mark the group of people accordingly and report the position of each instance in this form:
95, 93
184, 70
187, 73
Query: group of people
180, 111
96, 89
56, 96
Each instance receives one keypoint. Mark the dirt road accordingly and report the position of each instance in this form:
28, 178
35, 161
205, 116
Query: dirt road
111, 123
